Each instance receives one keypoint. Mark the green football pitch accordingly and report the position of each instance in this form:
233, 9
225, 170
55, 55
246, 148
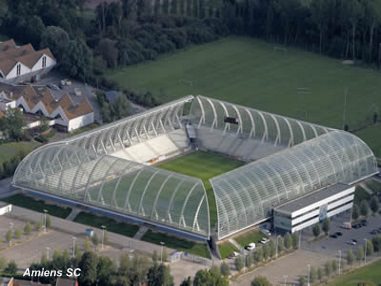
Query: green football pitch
203, 165
247, 71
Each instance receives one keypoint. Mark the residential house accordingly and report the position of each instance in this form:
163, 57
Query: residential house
61, 111
23, 63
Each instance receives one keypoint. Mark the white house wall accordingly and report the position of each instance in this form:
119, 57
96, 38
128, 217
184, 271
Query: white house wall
21, 101
81, 121
13, 72
38, 66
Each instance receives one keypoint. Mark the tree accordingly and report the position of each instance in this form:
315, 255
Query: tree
316, 230
106, 112
225, 269
209, 278
12, 124
334, 266
360, 253
88, 265
56, 39
120, 107
302, 281
107, 49
328, 268
27, 228
369, 247
288, 241
105, 269
313, 275
77, 60
376, 241
17, 234
326, 226
159, 275
355, 212
186, 282
320, 273
295, 240
239, 263
364, 208
374, 204
260, 281
95, 239
350, 257
249, 260
11, 268
258, 255
8, 236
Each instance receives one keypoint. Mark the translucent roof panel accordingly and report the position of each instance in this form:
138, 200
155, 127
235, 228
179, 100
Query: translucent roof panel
252, 123
246, 195
123, 186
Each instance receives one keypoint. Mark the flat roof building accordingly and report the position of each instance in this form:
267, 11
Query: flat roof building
313, 208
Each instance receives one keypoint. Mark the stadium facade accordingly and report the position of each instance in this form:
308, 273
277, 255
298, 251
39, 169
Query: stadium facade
112, 168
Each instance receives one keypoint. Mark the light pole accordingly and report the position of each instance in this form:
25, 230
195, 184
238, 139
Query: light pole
161, 251
103, 227
45, 214
339, 262
47, 252
277, 244
366, 243
74, 239
309, 272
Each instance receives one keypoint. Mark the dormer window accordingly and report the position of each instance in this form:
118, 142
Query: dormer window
18, 69
58, 116
44, 62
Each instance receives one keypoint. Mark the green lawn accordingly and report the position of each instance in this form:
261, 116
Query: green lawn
371, 136
37, 205
226, 249
248, 237
200, 249
203, 165
9, 150
111, 225
251, 72
369, 275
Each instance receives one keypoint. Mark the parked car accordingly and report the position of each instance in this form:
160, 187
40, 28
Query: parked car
265, 240
351, 242
339, 233
234, 254
364, 222
265, 231
333, 235
347, 225
250, 246
53, 86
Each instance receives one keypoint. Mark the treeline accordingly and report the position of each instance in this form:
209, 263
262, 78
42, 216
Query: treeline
345, 29
116, 34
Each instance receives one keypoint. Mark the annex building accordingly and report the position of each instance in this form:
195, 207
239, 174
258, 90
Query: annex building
295, 170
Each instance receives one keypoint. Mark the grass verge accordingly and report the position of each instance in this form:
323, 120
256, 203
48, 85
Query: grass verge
248, 237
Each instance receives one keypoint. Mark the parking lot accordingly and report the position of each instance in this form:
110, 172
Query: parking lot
331, 245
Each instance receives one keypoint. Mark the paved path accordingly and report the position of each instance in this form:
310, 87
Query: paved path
142, 230
73, 214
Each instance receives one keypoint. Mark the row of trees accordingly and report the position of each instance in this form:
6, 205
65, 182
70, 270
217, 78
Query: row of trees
323, 226
112, 111
338, 28
364, 208
267, 251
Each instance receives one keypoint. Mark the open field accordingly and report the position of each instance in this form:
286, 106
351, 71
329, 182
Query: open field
226, 248
9, 150
248, 237
110, 224
200, 249
251, 72
203, 165
368, 275
37, 205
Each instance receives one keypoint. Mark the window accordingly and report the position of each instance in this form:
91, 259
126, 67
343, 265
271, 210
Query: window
43, 62
18, 69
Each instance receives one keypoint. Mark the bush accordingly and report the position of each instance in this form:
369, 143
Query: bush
260, 281
239, 263
225, 269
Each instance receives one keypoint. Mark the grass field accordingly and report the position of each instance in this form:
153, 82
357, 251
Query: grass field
248, 237
37, 205
111, 225
9, 150
369, 275
251, 72
200, 249
203, 165
226, 248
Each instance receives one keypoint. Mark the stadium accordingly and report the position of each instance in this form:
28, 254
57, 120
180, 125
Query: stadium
203, 168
